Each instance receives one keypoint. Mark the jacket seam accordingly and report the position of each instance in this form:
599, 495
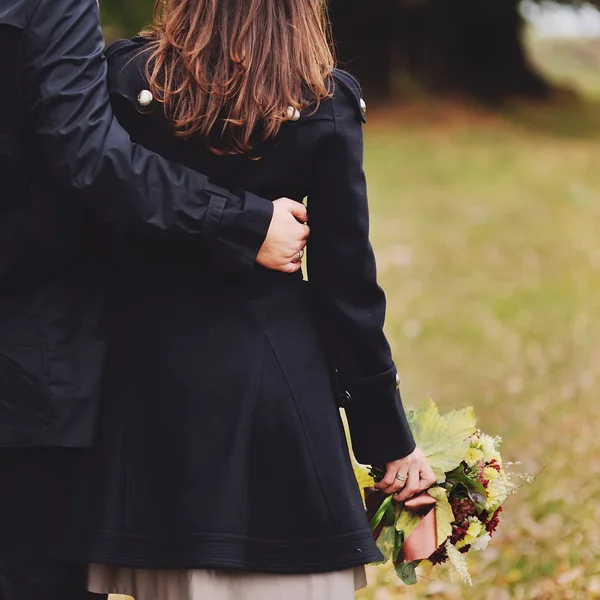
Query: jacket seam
335, 124
33, 14
214, 215
323, 140
302, 425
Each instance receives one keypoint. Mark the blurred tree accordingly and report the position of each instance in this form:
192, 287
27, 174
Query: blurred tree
468, 46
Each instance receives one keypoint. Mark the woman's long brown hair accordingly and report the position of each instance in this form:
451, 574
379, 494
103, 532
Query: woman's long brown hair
230, 69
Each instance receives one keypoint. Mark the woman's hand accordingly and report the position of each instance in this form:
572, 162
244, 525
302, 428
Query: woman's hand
407, 477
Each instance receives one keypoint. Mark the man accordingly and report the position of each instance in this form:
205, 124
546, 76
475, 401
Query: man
57, 134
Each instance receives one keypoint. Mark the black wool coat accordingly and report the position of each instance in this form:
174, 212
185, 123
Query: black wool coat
65, 166
222, 444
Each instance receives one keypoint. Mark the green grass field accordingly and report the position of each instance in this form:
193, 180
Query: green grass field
487, 231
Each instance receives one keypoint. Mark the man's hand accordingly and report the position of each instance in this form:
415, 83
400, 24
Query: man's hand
286, 237
407, 477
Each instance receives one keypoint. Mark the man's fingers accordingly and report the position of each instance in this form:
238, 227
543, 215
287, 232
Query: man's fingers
292, 267
286, 237
299, 211
305, 233
299, 247
298, 231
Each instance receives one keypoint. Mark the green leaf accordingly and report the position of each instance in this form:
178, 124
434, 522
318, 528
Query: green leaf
474, 490
399, 542
444, 517
442, 438
381, 513
408, 572
390, 515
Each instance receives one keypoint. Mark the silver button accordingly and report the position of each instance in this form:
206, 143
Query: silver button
363, 106
293, 114
145, 98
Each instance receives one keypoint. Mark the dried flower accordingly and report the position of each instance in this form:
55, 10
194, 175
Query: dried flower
458, 563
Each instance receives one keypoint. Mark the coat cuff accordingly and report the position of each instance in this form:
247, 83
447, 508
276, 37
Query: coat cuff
238, 228
378, 425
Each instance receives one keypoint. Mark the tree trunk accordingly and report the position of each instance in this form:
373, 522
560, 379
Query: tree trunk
472, 46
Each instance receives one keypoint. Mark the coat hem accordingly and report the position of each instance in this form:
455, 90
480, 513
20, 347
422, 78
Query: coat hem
229, 552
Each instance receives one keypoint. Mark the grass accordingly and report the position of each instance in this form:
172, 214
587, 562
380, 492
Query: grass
487, 230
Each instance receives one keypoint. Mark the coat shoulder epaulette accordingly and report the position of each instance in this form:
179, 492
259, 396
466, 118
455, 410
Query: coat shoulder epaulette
353, 86
127, 72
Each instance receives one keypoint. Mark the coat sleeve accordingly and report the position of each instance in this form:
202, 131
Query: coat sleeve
90, 152
350, 303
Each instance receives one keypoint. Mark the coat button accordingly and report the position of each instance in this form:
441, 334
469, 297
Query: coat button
145, 98
293, 114
363, 106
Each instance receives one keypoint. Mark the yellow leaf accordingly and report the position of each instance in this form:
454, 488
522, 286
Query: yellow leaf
386, 542
444, 517
363, 479
407, 522
442, 438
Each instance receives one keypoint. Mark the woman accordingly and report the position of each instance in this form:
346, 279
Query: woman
223, 470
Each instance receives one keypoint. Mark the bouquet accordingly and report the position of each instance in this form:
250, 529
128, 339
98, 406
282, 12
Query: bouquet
459, 513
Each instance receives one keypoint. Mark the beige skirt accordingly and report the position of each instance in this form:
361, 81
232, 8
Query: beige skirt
219, 585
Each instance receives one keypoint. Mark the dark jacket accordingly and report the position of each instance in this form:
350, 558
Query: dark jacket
58, 135
221, 443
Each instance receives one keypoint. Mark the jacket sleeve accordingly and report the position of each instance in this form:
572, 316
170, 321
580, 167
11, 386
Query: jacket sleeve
89, 151
350, 303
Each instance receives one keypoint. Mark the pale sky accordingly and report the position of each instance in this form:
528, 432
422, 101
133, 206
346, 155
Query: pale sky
554, 20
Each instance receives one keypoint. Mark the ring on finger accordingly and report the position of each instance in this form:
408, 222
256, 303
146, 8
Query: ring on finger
299, 257
401, 478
